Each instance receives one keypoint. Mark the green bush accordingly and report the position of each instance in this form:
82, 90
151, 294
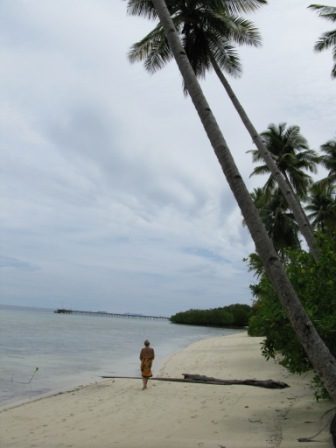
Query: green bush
315, 284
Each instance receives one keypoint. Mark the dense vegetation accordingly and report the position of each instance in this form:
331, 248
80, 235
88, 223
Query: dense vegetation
315, 284
314, 280
236, 316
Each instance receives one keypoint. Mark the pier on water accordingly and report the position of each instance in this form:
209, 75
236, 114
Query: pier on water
106, 314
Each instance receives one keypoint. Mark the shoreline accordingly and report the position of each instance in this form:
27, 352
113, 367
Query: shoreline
116, 413
17, 402
88, 381
68, 357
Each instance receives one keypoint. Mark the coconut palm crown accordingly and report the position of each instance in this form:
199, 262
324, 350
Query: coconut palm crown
208, 29
328, 39
292, 155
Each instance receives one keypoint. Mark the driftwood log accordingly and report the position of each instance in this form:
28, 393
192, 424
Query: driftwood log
202, 379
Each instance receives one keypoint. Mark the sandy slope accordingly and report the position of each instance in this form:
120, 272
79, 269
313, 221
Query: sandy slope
117, 413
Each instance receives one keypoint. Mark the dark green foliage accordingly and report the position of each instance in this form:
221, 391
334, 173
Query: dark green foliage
236, 315
277, 218
315, 284
209, 30
328, 39
328, 159
322, 207
292, 155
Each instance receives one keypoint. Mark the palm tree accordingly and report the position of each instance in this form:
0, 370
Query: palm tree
322, 360
328, 39
278, 221
292, 155
208, 30
322, 207
329, 161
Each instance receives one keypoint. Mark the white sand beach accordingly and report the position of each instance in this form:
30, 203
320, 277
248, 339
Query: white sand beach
118, 414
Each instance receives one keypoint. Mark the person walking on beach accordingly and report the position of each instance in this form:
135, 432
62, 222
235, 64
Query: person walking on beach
146, 357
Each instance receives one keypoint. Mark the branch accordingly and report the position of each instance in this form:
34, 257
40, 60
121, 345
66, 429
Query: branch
202, 379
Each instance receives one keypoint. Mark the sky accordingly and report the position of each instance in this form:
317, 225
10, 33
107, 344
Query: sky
111, 196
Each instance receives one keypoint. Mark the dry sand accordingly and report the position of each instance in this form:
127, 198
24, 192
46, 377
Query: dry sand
118, 414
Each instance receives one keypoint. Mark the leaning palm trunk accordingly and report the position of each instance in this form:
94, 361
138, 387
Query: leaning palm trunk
322, 360
285, 187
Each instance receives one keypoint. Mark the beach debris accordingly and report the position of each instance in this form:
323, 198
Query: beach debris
332, 429
202, 379
256, 420
268, 384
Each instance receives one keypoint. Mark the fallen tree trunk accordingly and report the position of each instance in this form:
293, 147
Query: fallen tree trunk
202, 379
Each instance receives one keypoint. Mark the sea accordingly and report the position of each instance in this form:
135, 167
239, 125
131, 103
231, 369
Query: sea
42, 352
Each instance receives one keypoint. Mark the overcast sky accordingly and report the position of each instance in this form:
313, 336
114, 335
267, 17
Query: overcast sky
111, 196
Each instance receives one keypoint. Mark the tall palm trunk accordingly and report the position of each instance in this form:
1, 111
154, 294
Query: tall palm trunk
322, 360
285, 187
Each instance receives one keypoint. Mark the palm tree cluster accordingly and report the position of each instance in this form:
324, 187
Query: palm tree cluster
203, 34
296, 161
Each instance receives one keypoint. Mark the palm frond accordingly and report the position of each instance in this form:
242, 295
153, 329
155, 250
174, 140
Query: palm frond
327, 12
237, 29
295, 139
153, 49
143, 8
333, 71
261, 169
239, 6
326, 41
328, 159
227, 58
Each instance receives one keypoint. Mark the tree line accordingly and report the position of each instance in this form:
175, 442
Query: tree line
201, 35
231, 316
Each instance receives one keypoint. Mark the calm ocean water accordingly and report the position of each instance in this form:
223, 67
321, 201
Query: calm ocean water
42, 352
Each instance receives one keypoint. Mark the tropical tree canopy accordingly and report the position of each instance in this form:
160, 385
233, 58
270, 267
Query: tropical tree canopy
207, 29
278, 220
328, 159
328, 39
292, 154
316, 284
146, 8
322, 207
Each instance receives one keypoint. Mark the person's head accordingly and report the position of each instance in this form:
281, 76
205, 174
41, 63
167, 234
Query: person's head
146, 343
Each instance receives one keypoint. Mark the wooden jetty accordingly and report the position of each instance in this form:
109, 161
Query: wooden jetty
106, 314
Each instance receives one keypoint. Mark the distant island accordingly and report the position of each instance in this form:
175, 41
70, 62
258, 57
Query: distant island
231, 316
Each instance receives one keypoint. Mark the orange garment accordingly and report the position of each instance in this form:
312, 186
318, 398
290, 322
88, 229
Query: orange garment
146, 357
